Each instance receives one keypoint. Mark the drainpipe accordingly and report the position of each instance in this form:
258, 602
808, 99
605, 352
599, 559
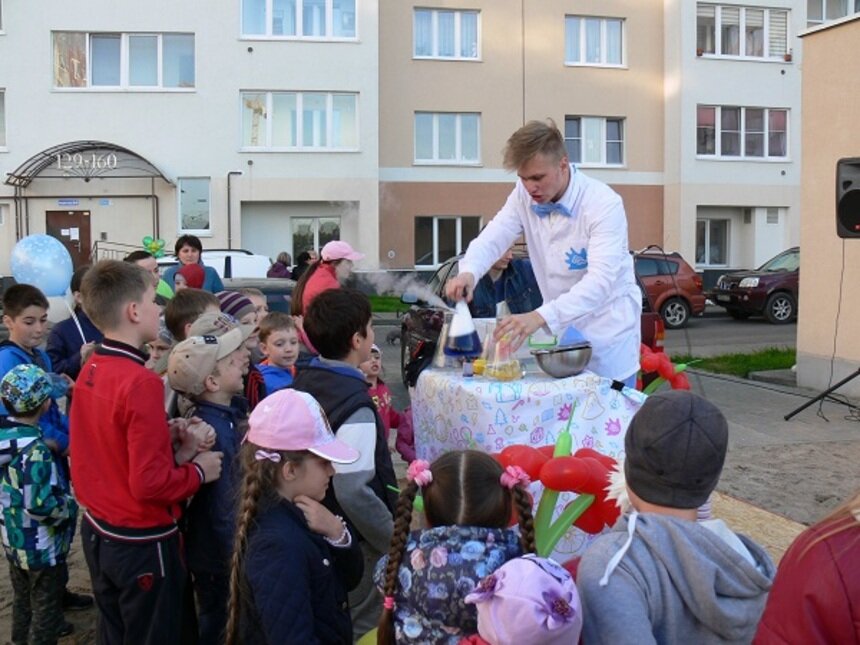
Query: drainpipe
230, 209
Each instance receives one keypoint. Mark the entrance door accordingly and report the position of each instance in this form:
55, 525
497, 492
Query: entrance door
72, 228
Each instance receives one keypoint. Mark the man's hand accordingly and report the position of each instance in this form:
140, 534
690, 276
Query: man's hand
319, 518
210, 462
460, 288
517, 328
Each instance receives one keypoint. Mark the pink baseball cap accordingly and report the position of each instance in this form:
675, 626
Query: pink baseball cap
340, 250
293, 420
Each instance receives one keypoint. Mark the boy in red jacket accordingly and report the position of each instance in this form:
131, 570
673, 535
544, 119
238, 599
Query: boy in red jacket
124, 467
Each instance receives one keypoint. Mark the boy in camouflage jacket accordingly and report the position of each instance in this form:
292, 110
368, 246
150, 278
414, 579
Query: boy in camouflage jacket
37, 513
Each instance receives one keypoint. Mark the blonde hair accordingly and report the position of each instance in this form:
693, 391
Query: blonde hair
535, 137
259, 485
844, 517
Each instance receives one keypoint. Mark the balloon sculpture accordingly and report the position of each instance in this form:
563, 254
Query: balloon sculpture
659, 362
42, 261
155, 246
586, 473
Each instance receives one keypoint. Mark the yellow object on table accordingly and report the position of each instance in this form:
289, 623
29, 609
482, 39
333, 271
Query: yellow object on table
509, 370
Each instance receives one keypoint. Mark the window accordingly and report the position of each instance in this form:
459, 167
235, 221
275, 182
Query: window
447, 138
313, 232
299, 120
440, 238
820, 11
1, 16
2, 119
312, 19
772, 216
593, 41
445, 34
123, 61
741, 132
712, 242
741, 31
594, 141
194, 205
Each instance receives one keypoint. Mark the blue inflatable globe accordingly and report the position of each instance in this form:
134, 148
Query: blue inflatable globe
43, 261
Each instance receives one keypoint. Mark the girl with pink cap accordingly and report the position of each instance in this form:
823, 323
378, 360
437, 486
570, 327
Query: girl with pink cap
293, 560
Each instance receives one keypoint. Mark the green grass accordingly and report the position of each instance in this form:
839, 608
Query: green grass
772, 358
386, 304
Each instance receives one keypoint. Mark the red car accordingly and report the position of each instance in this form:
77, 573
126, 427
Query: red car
770, 290
673, 286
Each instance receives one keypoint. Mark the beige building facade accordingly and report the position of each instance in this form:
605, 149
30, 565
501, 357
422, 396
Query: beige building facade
831, 303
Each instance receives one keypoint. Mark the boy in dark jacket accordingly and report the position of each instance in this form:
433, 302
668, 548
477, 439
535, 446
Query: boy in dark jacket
72, 340
208, 370
338, 323
38, 511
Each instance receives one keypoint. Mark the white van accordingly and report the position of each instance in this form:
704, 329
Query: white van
228, 263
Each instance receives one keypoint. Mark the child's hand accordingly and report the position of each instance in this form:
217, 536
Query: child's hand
86, 350
319, 518
204, 433
299, 321
210, 462
190, 437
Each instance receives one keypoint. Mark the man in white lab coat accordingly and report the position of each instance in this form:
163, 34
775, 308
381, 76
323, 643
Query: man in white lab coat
576, 231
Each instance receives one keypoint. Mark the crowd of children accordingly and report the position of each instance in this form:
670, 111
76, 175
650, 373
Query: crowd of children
235, 490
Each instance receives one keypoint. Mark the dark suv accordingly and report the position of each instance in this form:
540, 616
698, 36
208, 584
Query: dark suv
422, 323
674, 287
770, 290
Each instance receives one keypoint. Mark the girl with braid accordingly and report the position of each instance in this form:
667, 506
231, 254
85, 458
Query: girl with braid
293, 560
424, 579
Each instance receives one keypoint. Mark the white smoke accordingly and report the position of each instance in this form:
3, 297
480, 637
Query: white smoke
389, 283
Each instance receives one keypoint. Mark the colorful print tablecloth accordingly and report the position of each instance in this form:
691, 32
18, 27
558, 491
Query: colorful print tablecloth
453, 412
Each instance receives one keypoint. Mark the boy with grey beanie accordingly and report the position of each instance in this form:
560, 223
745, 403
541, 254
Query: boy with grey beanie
659, 576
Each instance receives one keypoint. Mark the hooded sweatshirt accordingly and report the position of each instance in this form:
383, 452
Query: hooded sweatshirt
677, 582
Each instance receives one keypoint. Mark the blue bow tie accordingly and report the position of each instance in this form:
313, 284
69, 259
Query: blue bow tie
544, 210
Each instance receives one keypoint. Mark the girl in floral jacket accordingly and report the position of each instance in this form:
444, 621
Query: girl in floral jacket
468, 504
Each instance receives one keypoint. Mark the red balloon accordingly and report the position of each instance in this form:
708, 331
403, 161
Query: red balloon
526, 457
547, 451
649, 362
609, 511
591, 521
564, 473
591, 453
666, 368
680, 381
572, 566
644, 350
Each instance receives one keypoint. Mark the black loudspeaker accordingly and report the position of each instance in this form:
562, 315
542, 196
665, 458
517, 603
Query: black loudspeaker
848, 197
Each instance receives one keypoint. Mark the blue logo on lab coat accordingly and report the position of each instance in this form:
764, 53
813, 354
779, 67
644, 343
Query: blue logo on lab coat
577, 260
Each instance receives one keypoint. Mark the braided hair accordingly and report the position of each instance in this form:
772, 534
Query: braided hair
466, 491
259, 486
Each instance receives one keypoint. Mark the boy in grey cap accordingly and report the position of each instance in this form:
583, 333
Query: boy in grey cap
659, 576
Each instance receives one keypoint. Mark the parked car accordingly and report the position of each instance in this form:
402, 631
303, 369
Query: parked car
228, 263
672, 285
769, 291
278, 291
422, 323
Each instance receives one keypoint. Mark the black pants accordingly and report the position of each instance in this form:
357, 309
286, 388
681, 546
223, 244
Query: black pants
213, 595
37, 611
138, 588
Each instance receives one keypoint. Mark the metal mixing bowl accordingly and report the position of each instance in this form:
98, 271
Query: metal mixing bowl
565, 360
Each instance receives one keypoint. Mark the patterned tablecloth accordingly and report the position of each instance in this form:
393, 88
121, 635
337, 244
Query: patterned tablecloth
453, 412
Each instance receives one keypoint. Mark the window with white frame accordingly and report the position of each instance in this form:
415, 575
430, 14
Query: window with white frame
589, 40
194, 216
440, 238
712, 242
447, 138
745, 32
741, 132
138, 61
311, 233
446, 34
300, 121
2, 118
594, 140
311, 19
821, 11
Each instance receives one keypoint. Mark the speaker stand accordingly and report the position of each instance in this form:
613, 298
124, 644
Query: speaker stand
826, 393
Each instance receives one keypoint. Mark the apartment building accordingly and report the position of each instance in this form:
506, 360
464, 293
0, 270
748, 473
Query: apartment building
252, 124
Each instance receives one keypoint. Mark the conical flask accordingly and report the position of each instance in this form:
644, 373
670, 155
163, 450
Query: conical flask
463, 339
